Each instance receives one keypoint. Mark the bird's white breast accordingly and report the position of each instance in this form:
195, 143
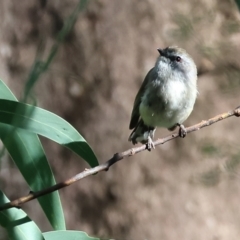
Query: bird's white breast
165, 104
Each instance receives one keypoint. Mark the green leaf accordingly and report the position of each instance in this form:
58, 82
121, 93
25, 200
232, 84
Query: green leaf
67, 235
18, 225
27, 153
47, 124
238, 3
25, 149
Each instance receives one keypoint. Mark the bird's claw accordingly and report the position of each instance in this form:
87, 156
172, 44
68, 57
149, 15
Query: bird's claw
182, 131
150, 144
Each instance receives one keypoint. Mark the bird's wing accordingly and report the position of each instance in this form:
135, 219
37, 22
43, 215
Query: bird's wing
135, 112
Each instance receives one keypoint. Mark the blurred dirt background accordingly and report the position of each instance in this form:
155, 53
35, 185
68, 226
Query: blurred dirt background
186, 189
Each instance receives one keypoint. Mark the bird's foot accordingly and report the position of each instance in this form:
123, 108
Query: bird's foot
150, 144
182, 131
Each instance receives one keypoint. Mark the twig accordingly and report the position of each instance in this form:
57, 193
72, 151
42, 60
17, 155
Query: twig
117, 157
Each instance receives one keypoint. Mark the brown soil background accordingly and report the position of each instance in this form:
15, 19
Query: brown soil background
186, 189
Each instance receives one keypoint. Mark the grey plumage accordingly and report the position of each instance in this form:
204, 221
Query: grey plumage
166, 96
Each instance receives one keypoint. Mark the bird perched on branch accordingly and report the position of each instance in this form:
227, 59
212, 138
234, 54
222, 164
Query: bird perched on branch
166, 97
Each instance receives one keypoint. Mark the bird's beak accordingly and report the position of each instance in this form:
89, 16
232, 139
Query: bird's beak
160, 51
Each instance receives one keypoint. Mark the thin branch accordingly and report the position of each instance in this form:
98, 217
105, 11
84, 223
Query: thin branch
116, 157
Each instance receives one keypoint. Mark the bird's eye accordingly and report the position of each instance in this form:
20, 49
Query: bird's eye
175, 58
178, 59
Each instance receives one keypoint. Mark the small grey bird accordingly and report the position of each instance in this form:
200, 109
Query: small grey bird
166, 97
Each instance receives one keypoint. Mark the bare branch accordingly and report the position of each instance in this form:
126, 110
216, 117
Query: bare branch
117, 157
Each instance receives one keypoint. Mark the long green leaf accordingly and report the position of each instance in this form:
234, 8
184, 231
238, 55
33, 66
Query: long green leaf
41, 66
67, 235
47, 124
25, 149
18, 225
238, 3
27, 153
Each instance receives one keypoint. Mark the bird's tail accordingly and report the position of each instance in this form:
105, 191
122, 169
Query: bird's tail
141, 133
